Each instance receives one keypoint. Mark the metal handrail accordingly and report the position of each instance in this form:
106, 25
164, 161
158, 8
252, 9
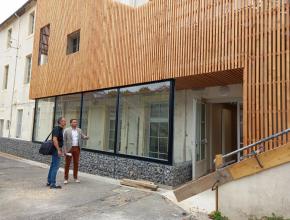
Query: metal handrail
257, 143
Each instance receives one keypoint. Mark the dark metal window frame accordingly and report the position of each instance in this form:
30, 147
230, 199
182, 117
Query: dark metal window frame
43, 46
76, 35
116, 153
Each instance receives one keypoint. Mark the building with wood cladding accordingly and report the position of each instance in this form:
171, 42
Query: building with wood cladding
163, 87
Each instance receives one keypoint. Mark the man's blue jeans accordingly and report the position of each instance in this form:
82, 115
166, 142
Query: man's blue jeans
54, 166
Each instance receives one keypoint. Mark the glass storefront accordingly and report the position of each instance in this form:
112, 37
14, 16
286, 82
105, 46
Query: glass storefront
43, 122
68, 106
99, 119
132, 121
144, 120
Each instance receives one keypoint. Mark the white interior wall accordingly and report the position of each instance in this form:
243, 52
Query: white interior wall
96, 127
129, 130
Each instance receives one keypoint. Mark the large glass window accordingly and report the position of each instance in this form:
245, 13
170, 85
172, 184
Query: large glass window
99, 119
140, 114
68, 106
144, 120
43, 118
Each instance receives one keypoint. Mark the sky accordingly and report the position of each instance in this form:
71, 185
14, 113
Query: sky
8, 7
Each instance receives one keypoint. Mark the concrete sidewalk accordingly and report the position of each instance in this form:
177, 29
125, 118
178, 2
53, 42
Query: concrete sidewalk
23, 195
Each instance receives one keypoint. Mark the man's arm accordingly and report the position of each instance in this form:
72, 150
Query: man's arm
83, 135
56, 144
65, 140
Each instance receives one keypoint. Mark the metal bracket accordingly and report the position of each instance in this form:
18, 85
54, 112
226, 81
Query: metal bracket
215, 185
257, 159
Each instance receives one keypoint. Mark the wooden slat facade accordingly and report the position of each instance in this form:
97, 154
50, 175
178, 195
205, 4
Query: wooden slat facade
164, 39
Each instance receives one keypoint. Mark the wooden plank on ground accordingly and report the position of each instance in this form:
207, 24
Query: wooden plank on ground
139, 184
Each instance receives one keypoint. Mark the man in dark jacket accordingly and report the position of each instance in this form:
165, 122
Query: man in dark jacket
57, 138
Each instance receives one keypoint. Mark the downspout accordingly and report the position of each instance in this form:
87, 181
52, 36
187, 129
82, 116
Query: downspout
185, 126
15, 72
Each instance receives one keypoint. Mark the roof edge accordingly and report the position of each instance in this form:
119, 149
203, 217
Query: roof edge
24, 8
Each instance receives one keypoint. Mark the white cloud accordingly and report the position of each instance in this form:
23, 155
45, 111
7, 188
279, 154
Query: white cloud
8, 7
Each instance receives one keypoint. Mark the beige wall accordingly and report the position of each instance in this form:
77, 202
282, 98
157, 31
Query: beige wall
260, 195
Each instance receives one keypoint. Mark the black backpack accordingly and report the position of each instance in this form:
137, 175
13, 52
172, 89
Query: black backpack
47, 147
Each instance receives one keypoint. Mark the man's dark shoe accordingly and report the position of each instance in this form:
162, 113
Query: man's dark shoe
55, 187
48, 184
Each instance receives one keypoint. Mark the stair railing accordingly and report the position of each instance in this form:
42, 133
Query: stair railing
219, 161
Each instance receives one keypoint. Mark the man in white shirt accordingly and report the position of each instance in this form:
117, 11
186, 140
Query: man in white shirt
72, 138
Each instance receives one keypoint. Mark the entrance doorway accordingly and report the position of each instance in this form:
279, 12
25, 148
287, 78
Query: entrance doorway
218, 131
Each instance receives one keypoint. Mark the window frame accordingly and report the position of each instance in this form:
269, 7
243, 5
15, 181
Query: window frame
76, 35
9, 38
31, 24
157, 120
19, 123
115, 153
27, 74
42, 44
5, 78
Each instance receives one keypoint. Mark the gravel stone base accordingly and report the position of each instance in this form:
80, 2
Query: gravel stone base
107, 165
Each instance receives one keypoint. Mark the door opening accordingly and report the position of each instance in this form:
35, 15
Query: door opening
218, 131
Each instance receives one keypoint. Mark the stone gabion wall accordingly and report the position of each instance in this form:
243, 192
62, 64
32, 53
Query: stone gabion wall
107, 165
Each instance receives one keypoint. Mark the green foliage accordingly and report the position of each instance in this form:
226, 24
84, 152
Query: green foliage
217, 215
273, 217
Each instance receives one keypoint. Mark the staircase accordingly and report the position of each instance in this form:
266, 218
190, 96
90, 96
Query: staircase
257, 161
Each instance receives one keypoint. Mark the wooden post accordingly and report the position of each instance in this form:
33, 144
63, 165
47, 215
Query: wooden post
218, 164
218, 161
217, 199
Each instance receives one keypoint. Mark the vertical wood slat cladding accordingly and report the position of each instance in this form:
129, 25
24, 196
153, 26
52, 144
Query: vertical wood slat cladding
170, 39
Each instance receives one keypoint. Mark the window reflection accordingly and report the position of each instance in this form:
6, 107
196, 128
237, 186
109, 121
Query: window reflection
68, 106
43, 118
99, 119
144, 119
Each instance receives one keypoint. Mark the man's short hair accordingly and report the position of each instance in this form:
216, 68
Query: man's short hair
73, 119
59, 120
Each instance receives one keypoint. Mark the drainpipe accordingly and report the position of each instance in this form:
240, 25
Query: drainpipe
15, 72
185, 126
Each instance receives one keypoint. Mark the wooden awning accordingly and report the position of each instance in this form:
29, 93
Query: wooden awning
221, 78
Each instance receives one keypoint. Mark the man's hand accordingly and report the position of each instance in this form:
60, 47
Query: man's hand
85, 137
60, 154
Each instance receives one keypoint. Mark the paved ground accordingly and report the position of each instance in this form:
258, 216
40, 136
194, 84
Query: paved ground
23, 195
